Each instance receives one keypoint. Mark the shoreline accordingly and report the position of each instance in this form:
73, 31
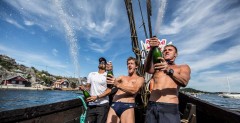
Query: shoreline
23, 88
33, 88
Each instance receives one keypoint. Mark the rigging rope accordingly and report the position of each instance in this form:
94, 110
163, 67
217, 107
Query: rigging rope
134, 38
135, 47
143, 23
149, 14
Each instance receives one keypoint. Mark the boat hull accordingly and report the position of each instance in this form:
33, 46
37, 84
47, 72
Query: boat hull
70, 111
60, 112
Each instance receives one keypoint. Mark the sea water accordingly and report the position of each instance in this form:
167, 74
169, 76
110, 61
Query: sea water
15, 99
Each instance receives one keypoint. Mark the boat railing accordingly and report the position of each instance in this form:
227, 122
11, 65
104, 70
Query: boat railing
59, 112
207, 112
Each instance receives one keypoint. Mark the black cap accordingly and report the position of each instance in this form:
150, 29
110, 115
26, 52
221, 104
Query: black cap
102, 59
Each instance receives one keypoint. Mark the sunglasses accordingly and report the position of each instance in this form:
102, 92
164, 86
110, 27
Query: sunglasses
102, 62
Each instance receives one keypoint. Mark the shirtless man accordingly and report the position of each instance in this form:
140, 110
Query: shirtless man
168, 77
122, 108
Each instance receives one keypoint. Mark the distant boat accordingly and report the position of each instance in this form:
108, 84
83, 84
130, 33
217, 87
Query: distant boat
229, 94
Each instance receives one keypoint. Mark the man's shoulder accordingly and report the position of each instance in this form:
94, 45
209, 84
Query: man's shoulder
184, 67
93, 73
140, 78
122, 77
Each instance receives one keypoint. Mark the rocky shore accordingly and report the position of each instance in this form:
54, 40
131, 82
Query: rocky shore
35, 88
24, 88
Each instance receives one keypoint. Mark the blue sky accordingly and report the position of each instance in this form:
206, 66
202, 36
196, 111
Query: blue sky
67, 37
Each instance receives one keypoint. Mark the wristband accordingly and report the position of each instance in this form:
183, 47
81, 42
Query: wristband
170, 72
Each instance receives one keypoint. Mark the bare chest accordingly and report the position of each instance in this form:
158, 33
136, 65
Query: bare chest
128, 80
162, 80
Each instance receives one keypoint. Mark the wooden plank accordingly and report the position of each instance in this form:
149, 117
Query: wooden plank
68, 116
39, 111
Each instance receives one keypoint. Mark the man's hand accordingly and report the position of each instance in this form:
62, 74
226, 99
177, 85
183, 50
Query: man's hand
91, 99
110, 79
81, 87
163, 66
118, 81
153, 42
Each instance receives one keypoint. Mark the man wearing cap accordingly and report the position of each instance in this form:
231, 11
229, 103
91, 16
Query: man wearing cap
98, 105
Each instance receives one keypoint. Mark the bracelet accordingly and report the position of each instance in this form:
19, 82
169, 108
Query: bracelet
97, 97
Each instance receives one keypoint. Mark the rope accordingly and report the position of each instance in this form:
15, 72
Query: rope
83, 116
135, 47
149, 14
143, 23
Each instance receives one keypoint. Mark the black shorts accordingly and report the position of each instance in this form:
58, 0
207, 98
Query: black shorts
158, 112
97, 113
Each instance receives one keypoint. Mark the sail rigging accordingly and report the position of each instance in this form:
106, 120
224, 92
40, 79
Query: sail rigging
134, 37
143, 23
135, 46
149, 14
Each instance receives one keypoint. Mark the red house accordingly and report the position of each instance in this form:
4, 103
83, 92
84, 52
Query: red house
16, 81
61, 83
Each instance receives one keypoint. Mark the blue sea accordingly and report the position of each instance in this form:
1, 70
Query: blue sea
230, 103
15, 99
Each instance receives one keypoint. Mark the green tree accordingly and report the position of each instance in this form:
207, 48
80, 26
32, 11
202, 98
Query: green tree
28, 77
73, 85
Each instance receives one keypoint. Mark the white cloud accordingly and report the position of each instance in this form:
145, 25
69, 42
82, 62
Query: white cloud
15, 23
215, 81
31, 59
231, 55
100, 47
28, 23
196, 22
55, 52
96, 21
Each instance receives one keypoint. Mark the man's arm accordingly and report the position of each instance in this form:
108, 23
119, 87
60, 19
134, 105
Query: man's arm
105, 93
85, 87
148, 65
130, 88
183, 76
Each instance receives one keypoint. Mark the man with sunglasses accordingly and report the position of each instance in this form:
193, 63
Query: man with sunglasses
98, 105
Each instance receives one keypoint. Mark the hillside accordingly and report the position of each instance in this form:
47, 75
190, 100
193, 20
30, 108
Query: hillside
191, 90
9, 68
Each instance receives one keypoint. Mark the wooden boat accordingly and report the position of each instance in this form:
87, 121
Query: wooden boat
70, 111
192, 109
